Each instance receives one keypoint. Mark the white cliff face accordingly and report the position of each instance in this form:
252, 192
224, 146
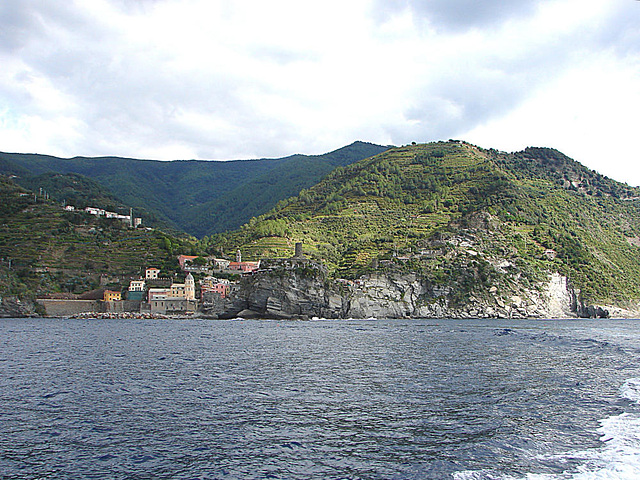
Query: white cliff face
380, 296
560, 297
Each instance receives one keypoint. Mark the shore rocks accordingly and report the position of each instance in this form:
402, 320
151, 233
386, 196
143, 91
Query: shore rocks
13, 307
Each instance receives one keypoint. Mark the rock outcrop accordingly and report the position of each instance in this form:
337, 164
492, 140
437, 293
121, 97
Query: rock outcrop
13, 307
301, 294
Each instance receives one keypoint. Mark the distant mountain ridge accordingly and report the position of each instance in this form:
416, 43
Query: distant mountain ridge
198, 197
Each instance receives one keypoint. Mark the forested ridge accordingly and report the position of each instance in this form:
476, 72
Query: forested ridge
195, 197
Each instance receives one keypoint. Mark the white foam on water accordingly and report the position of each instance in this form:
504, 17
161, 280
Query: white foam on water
631, 390
617, 459
474, 475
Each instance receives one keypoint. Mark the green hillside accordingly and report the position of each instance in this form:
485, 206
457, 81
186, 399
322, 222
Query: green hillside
45, 249
197, 197
464, 218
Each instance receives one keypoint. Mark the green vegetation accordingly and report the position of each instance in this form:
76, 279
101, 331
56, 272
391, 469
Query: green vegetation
197, 197
45, 249
463, 217
466, 220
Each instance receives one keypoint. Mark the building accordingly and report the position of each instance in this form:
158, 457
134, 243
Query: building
137, 285
127, 219
136, 290
244, 267
184, 259
184, 290
220, 263
112, 296
179, 298
189, 287
177, 290
173, 306
152, 273
213, 285
158, 294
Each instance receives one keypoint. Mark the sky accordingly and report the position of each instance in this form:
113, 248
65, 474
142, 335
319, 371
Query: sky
222, 80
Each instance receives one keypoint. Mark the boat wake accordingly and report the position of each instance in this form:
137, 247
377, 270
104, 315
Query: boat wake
617, 459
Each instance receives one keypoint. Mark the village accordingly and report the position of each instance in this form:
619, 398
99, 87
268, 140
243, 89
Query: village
153, 294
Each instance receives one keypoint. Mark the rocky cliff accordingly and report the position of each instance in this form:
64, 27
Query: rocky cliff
296, 294
13, 307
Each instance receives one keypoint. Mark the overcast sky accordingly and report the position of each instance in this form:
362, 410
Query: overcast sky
207, 79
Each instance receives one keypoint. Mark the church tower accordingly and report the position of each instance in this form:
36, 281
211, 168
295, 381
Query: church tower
189, 287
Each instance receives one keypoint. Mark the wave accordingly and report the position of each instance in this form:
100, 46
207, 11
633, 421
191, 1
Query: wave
617, 459
557, 340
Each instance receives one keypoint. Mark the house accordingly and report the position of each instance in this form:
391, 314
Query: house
184, 259
112, 296
94, 211
213, 285
220, 263
152, 273
137, 285
158, 294
221, 289
136, 290
177, 290
244, 267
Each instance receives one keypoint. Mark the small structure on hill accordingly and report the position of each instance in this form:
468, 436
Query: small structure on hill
152, 273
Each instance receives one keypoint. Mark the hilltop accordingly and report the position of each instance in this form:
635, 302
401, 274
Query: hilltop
194, 197
470, 223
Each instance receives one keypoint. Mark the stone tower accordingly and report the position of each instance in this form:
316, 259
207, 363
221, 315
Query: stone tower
189, 287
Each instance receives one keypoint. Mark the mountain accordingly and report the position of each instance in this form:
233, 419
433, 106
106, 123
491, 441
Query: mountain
471, 225
444, 229
196, 197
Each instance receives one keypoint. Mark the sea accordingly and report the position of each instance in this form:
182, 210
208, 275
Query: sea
320, 399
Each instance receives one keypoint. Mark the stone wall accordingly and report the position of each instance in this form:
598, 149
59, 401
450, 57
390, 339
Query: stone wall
64, 308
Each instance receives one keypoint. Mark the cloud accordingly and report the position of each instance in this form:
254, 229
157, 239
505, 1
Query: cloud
458, 15
214, 79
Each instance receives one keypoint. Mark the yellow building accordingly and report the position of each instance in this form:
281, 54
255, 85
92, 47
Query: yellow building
112, 296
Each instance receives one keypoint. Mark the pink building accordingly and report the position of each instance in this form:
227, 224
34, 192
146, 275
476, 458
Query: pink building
182, 259
244, 267
221, 289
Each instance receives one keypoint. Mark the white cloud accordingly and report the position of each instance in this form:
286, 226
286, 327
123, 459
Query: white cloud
590, 114
216, 79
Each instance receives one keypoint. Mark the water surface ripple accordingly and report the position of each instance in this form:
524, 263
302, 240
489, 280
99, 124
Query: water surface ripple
401, 399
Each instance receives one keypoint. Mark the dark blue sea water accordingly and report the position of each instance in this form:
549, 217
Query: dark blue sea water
431, 399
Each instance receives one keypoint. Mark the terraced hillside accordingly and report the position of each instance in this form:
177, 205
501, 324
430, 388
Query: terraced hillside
47, 249
462, 217
196, 197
